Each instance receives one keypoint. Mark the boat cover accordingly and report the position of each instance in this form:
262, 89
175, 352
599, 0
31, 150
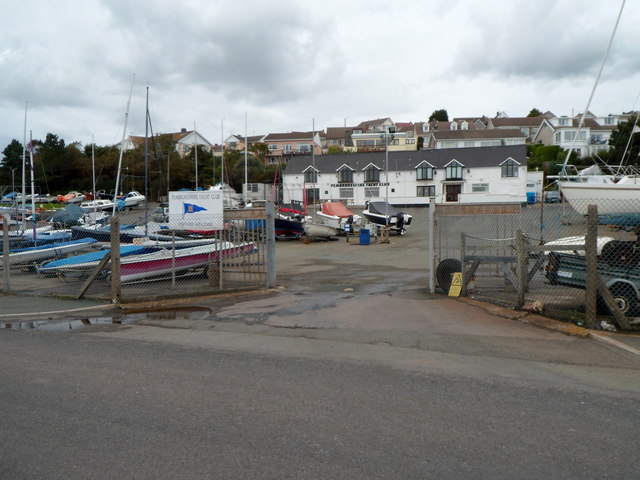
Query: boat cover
337, 209
383, 208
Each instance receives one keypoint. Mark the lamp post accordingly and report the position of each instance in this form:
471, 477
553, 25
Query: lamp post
387, 136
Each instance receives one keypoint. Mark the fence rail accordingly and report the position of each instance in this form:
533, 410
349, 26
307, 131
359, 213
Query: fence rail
135, 266
545, 258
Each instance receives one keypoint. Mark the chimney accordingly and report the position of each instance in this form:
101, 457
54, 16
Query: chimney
183, 130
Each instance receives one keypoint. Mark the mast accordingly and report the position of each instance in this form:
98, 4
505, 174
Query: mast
246, 141
146, 164
593, 90
24, 162
222, 151
93, 172
124, 133
33, 193
196, 152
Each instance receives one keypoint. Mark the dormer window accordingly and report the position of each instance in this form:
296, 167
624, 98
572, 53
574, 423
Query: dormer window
453, 170
345, 175
310, 175
464, 126
563, 122
509, 168
424, 171
454, 125
371, 174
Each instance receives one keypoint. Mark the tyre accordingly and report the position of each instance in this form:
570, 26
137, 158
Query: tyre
445, 270
626, 298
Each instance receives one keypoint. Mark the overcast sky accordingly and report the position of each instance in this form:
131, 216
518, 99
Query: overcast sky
290, 64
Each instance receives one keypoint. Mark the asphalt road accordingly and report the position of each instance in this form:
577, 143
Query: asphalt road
351, 370
243, 402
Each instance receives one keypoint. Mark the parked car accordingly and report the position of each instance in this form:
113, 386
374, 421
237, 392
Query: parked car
552, 196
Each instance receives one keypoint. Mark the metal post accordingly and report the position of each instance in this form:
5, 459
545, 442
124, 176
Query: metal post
5, 252
521, 247
432, 259
591, 254
463, 254
115, 260
270, 244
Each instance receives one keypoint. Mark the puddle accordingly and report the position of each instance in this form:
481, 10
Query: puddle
65, 325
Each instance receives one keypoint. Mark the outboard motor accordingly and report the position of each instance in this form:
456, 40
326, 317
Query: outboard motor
399, 221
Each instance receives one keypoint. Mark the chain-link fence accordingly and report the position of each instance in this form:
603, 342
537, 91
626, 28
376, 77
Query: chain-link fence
559, 259
142, 262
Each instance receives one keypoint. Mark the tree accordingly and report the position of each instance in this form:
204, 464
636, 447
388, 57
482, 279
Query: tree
260, 150
534, 113
619, 140
335, 150
439, 115
12, 161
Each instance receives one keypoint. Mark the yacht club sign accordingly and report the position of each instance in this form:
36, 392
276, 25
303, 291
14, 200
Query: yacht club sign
379, 184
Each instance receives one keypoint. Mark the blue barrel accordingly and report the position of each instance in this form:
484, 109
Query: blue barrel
531, 197
365, 236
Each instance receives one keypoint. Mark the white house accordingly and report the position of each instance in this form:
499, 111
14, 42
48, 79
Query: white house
457, 175
592, 136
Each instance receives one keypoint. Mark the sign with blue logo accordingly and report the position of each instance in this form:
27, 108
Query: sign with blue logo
196, 210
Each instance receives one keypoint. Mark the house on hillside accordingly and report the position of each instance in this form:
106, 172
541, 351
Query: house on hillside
339, 137
469, 138
238, 142
284, 146
529, 126
458, 175
592, 136
184, 141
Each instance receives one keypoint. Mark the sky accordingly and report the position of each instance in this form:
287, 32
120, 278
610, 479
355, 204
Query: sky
264, 66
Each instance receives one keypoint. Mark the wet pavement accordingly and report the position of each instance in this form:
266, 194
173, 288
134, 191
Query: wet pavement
329, 286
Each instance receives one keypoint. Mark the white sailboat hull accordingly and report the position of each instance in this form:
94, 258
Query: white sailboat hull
609, 197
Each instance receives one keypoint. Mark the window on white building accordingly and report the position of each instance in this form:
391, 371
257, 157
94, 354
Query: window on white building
346, 192
480, 187
510, 168
424, 171
469, 144
371, 192
371, 174
490, 143
558, 138
426, 191
310, 176
453, 171
345, 175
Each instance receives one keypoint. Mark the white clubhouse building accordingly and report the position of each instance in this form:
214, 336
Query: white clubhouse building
454, 175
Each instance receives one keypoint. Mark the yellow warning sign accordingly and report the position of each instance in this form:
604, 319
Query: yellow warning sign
456, 285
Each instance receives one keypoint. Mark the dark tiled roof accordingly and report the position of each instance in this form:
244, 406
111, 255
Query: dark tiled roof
403, 160
518, 121
289, 136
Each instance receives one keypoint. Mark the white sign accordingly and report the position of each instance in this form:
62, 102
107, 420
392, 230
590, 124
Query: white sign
196, 210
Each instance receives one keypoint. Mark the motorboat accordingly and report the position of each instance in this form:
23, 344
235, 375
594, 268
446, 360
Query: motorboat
337, 215
386, 215
319, 230
132, 199
72, 197
97, 205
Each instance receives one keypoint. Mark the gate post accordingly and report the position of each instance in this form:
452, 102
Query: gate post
270, 244
523, 256
5, 253
591, 254
432, 257
115, 260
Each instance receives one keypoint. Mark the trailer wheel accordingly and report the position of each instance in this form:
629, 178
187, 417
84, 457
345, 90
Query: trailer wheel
626, 298
445, 270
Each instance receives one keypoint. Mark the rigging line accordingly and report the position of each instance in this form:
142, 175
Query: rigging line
593, 90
